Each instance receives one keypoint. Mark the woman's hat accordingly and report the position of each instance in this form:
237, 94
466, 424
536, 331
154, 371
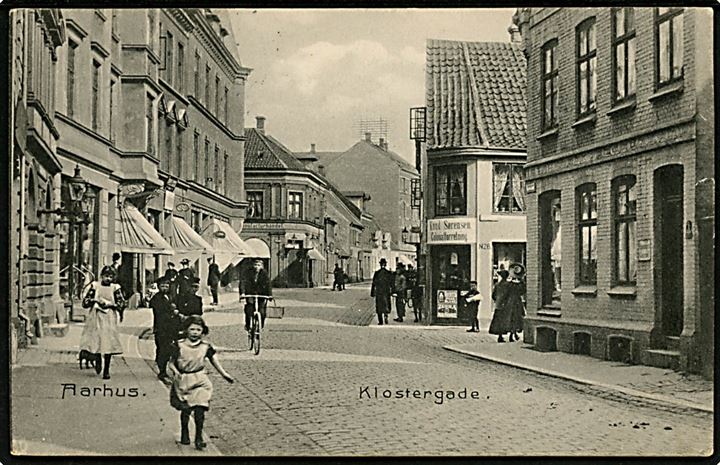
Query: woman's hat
184, 261
517, 269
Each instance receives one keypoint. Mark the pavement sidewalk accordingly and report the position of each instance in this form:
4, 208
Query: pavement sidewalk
59, 409
657, 386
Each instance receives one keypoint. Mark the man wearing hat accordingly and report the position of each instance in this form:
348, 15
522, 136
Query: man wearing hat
515, 303
166, 325
185, 277
190, 303
171, 275
382, 286
213, 279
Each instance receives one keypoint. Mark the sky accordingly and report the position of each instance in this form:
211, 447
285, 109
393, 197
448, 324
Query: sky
317, 73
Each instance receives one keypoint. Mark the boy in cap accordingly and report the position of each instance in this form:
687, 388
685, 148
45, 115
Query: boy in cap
473, 299
191, 303
166, 325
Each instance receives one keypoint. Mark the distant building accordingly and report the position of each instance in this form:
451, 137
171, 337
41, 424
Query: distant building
385, 178
620, 181
475, 197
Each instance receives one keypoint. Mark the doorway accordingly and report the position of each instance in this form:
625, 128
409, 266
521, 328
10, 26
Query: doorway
550, 249
669, 241
450, 275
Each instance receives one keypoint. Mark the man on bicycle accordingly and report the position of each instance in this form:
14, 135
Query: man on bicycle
255, 282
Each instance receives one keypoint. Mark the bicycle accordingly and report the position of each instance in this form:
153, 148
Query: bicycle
255, 322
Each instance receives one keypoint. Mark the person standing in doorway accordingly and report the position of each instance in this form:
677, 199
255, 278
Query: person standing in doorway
213, 279
473, 299
381, 289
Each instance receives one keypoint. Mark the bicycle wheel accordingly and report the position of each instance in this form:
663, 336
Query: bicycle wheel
256, 334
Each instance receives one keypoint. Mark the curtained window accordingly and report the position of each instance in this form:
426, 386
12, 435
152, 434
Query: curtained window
450, 190
623, 58
586, 67
508, 188
625, 202
587, 233
668, 45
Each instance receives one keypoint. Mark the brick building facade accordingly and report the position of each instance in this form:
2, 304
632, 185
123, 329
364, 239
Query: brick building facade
620, 135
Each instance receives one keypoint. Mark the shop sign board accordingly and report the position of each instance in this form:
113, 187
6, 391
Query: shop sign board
452, 231
447, 305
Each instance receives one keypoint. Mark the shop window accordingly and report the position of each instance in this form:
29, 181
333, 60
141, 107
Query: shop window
255, 209
586, 55
450, 190
625, 216
668, 45
623, 53
508, 187
295, 205
587, 233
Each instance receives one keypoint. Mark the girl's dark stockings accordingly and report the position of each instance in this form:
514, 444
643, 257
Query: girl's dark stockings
199, 413
106, 366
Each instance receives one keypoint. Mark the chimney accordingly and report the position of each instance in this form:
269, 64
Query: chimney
260, 124
368, 137
312, 148
381, 143
321, 170
515, 36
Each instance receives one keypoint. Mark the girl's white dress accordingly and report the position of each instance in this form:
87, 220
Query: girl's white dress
191, 385
100, 335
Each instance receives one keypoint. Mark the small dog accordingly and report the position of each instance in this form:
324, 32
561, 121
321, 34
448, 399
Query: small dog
90, 359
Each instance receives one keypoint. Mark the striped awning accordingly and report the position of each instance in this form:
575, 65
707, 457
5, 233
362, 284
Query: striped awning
137, 235
227, 247
186, 242
259, 247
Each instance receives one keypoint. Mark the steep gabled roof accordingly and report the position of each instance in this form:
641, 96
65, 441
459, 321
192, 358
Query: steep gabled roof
475, 94
365, 147
263, 151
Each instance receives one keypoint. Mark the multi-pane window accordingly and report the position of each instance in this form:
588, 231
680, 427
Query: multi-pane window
197, 75
206, 171
450, 190
114, 21
623, 53
586, 54
216, 175
196, 154
508, 187
625, 202
169, 57
168, 155
95, 105
225, 172
72, 46
178, 157
550, 94
295, 205
225, 102
587, 233
207, 86
151, 29
149, 123
180, 80
217, 95
255, 209
669, 45
113, 100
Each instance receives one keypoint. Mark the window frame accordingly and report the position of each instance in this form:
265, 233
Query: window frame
252, 199
207, 86
582, 224
624, 40
659, 19
197, 75
629, 182
589, 58
295, 198
549, 77
150, 123
179, 154
217, 95
196, 161
207, 161
169, 57
216, 169
180, 81
448, 170
225, 103
95, 95
513, 166
70, 78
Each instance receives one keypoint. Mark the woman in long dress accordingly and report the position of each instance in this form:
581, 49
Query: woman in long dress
500, 323
515, 304
100, 335
191, 387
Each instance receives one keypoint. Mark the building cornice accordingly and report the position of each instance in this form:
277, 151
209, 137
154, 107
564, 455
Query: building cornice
97, 47
194, 186
84, 161
143, 47
444, 155
181, 20
141, 79
82, 128
216, 47
75, 27
171, 90
214, 119
274, 172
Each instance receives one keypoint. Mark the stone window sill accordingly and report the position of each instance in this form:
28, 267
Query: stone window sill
585, 291
586, 120
546, 311
628, 292
548, 133
668, 90
623, 107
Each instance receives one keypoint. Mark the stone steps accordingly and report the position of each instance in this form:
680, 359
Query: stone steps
662, 358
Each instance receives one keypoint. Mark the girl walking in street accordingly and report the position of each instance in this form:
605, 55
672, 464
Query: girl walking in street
191, 387
100, 334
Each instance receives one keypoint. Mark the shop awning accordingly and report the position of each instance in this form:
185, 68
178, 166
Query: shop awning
186, 242
137, 235
228, 249
259, 247
313, 254
405, 260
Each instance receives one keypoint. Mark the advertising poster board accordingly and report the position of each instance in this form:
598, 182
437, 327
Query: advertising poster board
447, 304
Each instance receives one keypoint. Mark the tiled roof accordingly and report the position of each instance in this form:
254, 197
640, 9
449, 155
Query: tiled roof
475, 94
265, 152
366, 147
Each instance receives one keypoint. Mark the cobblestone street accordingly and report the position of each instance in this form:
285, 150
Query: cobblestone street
312, 391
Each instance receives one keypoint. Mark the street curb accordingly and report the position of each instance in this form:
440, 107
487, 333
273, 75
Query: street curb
658, 398
211, 448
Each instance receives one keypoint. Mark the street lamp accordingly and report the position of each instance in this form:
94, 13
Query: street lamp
405, 234
73, 214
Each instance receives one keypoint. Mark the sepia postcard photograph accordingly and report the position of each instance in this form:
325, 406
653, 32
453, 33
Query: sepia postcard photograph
360, 232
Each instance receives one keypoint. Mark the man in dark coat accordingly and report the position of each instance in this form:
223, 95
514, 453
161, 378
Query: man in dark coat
255, 282
171, 276
213, 279
338, 275
382, 286
166, 325
500, 323
190, 303
186, 276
